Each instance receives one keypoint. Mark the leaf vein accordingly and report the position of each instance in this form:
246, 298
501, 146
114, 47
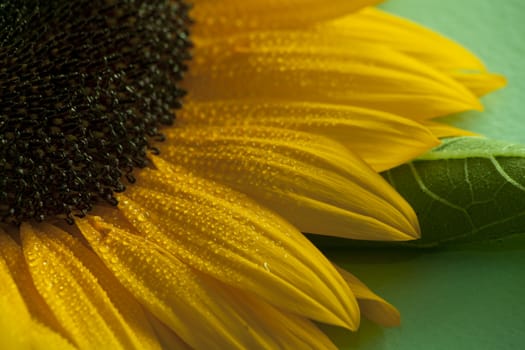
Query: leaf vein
436, 197
467, 179
504, 174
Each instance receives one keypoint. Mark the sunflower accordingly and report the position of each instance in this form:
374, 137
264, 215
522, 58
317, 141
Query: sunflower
135, 218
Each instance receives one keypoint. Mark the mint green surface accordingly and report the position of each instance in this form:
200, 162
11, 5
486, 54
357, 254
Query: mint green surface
494, 31
469, 297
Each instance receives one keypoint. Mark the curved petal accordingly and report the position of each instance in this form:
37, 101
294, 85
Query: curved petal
195, 306
37, 307
313, 182
15, 320
167, 337
445, 130
44, 338
18, 329
226, 235
286, 330
62, 270
371, 25
376, 26
298, 66
480, 83
398, 139
373, 307
225, 17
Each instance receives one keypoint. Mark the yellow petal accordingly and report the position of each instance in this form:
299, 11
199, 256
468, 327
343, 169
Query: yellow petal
18, 330
445, 130
39, 310
300, 332
168, 338
313, 182
372, 306
218, 18
194, 305
224, 234
398, 139
62, 271
372, 25
45, 339
298, 66
15, 321
480, 83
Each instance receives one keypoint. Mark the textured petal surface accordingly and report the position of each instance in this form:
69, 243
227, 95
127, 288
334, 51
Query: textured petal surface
218, 18
313, 182
375, 26
15, 321
62, 270
167, 337
201, 310
371, 25
372, 306
194, 256
37, 307
224, 234
399, 139
18, 329
300, 66
282, 329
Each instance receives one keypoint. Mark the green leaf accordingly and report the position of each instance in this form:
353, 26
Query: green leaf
468, 189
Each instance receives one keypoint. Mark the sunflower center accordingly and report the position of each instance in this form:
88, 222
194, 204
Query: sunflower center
84, 87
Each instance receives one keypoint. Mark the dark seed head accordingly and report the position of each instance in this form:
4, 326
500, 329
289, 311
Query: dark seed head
85, 86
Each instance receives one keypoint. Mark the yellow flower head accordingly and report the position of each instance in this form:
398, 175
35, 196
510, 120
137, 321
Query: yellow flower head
111, 238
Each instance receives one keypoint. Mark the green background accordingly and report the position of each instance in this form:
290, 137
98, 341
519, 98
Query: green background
469, 297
